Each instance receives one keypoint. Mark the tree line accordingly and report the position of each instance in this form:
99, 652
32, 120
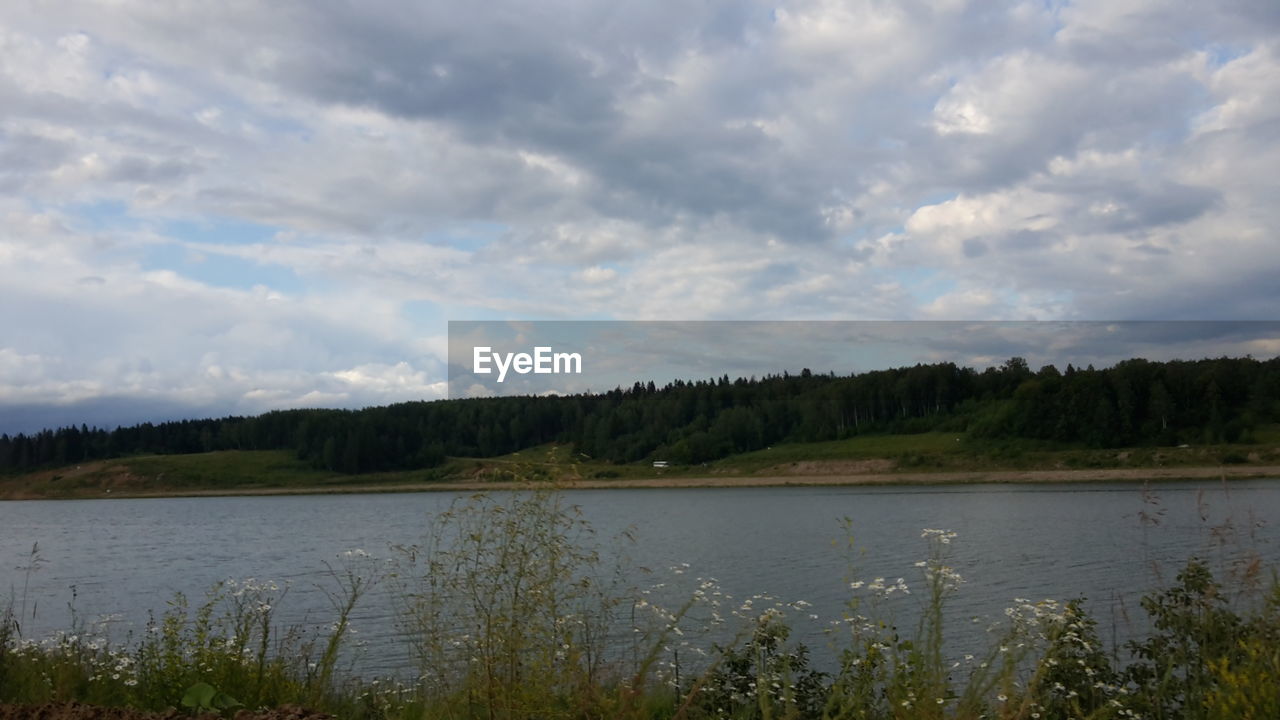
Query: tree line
1136, 402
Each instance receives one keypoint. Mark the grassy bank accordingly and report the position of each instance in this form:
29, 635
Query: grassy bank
511, 612
956, 452
950, 457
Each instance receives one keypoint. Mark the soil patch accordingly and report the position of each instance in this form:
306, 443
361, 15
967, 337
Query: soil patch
862, 477
870, 466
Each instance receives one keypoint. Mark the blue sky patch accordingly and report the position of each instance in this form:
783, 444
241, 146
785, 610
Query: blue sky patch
222, 270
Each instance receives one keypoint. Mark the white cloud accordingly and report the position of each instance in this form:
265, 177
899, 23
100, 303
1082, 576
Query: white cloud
410, 162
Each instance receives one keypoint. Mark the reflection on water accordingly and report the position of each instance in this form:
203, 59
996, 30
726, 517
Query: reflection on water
1107, 543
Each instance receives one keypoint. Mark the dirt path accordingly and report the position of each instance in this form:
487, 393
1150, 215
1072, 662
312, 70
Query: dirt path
934, 478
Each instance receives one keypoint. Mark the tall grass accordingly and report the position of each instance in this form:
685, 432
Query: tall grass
509, 609
230, 641
512, 612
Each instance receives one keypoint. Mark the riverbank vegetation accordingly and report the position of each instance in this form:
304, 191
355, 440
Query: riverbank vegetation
1136, 403
512, 608
924, 457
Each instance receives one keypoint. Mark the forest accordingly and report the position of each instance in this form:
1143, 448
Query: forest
1136, 402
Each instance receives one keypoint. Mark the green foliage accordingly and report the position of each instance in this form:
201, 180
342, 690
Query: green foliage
203, 657
1074, 677
763, 678
508, 606
1134, 403
1246, 686
1194, 627
207, 698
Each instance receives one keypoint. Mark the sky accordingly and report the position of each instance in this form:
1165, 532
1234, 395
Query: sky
213, 208
575, 356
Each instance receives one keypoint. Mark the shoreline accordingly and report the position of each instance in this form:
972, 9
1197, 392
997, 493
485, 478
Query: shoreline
990, 477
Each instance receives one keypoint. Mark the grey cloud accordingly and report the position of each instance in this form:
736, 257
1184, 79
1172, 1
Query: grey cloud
555, 78
1150, 249
549, 83
24, 156
27, 153
136, 169
1131, 203
1247, 294
1089, 342
1166, 205
106, 412
973, 247
1153, 31
1098, 109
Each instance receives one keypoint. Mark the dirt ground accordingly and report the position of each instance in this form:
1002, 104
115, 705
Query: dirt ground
930, 478
79, 711
872, 466
870, 472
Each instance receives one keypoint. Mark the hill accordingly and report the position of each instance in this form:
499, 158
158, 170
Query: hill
1006, 412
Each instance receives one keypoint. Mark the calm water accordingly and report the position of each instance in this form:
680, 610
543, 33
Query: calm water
126, 557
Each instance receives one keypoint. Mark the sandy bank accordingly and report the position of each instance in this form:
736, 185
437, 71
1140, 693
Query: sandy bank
1135, 475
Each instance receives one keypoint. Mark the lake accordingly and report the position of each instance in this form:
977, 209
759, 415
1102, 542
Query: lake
116, 560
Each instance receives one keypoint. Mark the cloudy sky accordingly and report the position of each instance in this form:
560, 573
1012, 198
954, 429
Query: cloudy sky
236, 206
